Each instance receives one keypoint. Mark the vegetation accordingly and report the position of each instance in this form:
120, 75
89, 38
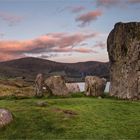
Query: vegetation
76, 117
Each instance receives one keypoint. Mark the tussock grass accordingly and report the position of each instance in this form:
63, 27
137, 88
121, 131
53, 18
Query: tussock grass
13, 91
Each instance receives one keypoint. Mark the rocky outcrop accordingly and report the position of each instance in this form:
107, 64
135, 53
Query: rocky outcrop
123, 45
94, 86
5, 117
57, 85
73, 87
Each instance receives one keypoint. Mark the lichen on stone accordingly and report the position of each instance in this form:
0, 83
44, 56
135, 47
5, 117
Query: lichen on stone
123, 45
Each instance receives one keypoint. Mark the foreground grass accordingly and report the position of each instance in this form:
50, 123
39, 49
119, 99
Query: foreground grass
95, 119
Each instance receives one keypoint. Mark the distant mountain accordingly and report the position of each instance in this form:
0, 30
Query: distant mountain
29, 67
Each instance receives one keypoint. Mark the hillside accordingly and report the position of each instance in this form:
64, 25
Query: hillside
29, 67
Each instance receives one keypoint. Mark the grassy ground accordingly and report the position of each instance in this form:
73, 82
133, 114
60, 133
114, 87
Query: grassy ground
72, 118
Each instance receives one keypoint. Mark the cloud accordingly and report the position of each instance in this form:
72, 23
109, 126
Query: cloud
49, 43
51, 55
84, 50
44, 56
107, 3
87, 18
113, 3
100, 44
134, 1
84, 44
73, 9
77, 9
4, 57
10, 18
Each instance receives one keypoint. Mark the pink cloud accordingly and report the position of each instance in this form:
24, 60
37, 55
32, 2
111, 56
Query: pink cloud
11, 19
88, 17
84, 50
107, 2
9, 56
100, 44
53, 42
121, 3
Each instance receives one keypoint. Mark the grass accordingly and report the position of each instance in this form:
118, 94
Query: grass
104, 118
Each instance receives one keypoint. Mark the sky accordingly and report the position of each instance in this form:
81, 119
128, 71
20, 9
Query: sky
61, 30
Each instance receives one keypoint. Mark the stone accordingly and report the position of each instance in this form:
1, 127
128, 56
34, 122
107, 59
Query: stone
123, 45
94, 86
57, 85
41, 103
5, 117
99, 97
39, 81
73, 87
46, 90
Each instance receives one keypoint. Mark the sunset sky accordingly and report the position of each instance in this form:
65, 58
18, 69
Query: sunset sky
61, 30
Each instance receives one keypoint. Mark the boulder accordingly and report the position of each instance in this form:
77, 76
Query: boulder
39, 82
123, 45
57, 85
94, 86
73, 87
5, 117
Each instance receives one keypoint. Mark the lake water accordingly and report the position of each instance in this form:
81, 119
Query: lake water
82, 86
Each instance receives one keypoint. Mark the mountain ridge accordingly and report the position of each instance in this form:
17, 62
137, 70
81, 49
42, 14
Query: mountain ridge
30, 66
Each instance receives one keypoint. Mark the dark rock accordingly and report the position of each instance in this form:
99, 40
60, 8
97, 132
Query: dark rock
123, 45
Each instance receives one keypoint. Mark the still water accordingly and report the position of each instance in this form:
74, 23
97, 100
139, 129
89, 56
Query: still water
82, 86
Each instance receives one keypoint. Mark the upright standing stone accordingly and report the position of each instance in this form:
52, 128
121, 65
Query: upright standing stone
94, 86
123, 46
39, 81
57, 85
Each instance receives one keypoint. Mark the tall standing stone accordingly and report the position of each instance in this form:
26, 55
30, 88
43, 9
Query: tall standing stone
123, 45
39, 81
